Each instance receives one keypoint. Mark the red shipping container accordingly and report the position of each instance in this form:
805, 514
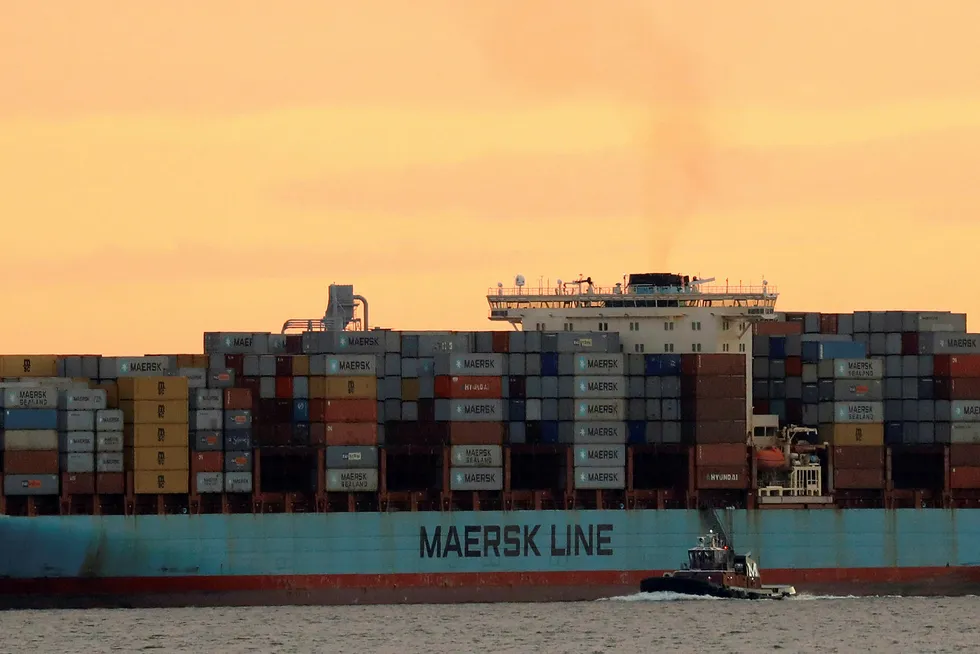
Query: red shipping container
910, 343
956, 365
965, 477
713, 364
476, 433
294, 343
207, 462
238, 399
252, 384
235, 362
468, 388
794, 411
110, 483
734, 455
859, 457
501, 342
964, 454
350, 411
78, 483
858, 479
715, 387
284, 388
30, 462
828, 323
953, 388
351, 433
760, 407
284, 365
794, 366
776, 328
708, 410
715, 431
722, 477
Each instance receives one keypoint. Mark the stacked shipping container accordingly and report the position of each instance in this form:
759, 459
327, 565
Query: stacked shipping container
30, 443
349, 412
77, 409
155, 414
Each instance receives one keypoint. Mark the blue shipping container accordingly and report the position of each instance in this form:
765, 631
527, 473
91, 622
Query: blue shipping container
778, 408
301, 411
30, 419
636, 432
815, 351
893, 433
238, 440
549, 432
777, 347
662, 365
549, 364
518, 410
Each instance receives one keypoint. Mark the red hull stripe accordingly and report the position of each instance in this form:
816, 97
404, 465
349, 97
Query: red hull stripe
514, 581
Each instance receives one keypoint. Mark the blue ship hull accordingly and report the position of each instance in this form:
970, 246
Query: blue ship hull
464, 556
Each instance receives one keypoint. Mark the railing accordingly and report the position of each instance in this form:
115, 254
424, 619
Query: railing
733, 289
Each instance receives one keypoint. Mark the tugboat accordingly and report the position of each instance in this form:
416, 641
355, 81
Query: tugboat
713, 569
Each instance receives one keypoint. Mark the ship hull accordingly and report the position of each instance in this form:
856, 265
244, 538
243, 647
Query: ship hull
329, 559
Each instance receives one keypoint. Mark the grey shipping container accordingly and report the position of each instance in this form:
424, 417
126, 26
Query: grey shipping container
196, 377
958, 433
108, 441
599, 478
352, 481
856, 390
76, 420
939, 321
109, 462
470, 365
858, 412
208, 441
91, 399
237, 419
859, 368
600, 364
600, 410
221, 378
600, 456
343, 456
238, 482
207, 420
469, 410
476, 479
207, 399
599, 387
479, 456
236, 342
30, 397
30, 484
77, 462
76, 441
238, 461
351, 365
113, 367
109, 420
948, 343
597, 432
210, 482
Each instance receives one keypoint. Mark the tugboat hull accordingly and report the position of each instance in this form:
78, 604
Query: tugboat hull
685, 586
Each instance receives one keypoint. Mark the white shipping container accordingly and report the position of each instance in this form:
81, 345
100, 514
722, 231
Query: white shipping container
210, 482
196, 377
352, 365
77, 441
949, 343
352, 481
477, 456
109, 462
599, 478
30, 439
30, 397
599, 387
238, 482
965, 410
600, 456
476, 479
112, 367
600, 364
78, 399
207, 420
470, 365
109, 441
77, 462
600, 410
76, 420
207, 399
941, 321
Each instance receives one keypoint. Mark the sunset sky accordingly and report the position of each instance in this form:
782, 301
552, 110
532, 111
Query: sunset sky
168, 168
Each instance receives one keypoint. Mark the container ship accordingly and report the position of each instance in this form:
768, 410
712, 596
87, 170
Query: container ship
566, 456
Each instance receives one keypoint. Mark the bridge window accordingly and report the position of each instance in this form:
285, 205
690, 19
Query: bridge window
725, 326
741, 347
603, 326
695, 347
724, 347
668, 347
668, 326
696, 326
639, 347
634, 326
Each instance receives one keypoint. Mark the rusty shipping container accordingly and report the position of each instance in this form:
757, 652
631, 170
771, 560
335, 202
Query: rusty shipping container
713, 409
726, 455
850, 434
859, 479
964, 455
715, 431
964, 477
463, 388
476, 433
110, 483
718, 364
30, 462
207, 462
351, 433
344, 410
237, 398
78, 483
722, 477
859, 457
777, 328
957, 365
715, 387
963, 388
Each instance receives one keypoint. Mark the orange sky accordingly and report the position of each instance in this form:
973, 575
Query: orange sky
170, 168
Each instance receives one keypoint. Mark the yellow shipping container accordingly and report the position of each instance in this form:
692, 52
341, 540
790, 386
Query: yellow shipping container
167, 412
352, 388
301, 365
192, 361
156, 435
28, 365
153, 388
111, 393
318, 388
166, 482
410, 390
157, 459
844, 434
